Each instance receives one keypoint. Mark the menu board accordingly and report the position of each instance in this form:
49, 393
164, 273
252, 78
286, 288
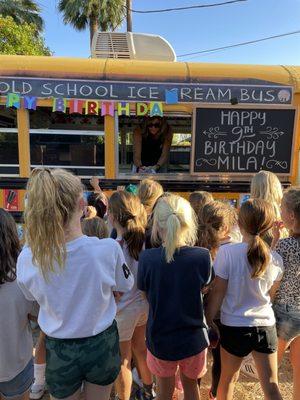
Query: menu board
237, 140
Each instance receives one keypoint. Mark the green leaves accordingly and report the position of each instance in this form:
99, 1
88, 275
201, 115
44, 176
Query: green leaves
22, 11
106, 15
21, 39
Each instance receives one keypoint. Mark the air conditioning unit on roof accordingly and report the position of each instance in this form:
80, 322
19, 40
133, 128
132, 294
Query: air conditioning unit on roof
128, 45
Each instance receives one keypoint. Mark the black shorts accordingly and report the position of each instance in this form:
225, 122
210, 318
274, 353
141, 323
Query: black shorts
241, 341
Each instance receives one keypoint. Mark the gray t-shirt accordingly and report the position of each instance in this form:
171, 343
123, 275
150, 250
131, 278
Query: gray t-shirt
15, 334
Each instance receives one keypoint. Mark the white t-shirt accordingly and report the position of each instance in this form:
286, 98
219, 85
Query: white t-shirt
247, 301
134, 295
15, 333
77, 301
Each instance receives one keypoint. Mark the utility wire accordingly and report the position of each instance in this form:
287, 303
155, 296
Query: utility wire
163, 10
239, 44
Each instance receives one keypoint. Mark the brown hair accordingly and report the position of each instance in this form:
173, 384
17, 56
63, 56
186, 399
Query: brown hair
130, 214
164, 126
9, 247
212, 218
199, 199
292, 200
256, 217
148, 192
94, 227
52, 200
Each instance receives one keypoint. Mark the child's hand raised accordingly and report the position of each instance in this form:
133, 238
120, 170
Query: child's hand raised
276, 229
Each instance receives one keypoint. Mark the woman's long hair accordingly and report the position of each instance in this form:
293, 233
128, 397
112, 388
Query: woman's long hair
9, 247
128, 211
52, 199
256, 217
164, 126
174, 223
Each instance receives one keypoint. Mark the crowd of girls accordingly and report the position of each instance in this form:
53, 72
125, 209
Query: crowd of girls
179, 276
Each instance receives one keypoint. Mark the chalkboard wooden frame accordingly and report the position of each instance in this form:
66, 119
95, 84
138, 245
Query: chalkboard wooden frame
226, 175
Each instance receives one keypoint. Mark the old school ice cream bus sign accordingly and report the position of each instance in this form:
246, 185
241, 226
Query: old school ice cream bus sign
238, 91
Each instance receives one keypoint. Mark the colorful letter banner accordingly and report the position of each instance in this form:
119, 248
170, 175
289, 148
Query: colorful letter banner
89, 107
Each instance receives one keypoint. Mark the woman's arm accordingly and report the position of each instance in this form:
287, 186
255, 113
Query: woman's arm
137, 147
215, 298
166, 148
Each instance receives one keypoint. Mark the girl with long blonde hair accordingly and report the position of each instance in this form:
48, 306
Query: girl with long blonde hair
172, 277
72, 277
128, 216
265, 185
247, 277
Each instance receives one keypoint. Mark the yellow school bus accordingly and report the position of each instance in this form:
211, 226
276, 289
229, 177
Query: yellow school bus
228, 121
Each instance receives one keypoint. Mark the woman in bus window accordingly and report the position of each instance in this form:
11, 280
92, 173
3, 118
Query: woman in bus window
151, 146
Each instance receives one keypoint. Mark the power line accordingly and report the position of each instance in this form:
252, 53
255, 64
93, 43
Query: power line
239, 44
163, 10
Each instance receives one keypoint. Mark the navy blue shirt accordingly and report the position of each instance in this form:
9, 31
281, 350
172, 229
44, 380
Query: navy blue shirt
176, 326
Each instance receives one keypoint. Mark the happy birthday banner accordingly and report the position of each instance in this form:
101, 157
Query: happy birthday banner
91, 107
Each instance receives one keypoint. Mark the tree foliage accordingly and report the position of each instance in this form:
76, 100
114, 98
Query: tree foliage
22, 11
21, 39
106, 15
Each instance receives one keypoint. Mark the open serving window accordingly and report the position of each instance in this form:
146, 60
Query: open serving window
180, 150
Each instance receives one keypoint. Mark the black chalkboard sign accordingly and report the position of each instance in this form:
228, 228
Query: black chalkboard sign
236, 140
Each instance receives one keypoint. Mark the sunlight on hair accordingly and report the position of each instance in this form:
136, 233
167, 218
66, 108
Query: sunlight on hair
51, 202
174, 222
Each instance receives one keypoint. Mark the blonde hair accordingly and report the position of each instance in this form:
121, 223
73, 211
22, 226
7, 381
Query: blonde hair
256, 217
148, 192
174, 222
199, 199
130, 214
94, 227
212, 218
291, 199
265, 185
52, 199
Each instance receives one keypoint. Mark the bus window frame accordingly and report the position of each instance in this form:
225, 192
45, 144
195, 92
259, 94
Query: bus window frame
181, 176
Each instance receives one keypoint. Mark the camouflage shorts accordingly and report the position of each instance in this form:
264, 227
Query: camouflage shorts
95, 359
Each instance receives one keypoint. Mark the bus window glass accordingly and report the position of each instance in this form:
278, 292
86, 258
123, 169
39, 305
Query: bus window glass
9, 156
62, 140
180, 150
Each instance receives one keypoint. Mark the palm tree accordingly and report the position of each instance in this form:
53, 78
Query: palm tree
95, 14
22, 11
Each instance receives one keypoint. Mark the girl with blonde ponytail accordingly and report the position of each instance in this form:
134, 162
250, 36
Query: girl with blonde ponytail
128, 217
73, 278
172, 277
247, 277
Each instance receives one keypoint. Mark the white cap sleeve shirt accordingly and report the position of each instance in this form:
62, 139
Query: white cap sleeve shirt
77, 301
247, 301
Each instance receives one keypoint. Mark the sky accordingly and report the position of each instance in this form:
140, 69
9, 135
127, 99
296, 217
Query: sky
199, 29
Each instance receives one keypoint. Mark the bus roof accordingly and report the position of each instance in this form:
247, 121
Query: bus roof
151, 71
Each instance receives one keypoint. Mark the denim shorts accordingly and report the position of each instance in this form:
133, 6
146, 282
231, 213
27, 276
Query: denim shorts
287, 322
19, 385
